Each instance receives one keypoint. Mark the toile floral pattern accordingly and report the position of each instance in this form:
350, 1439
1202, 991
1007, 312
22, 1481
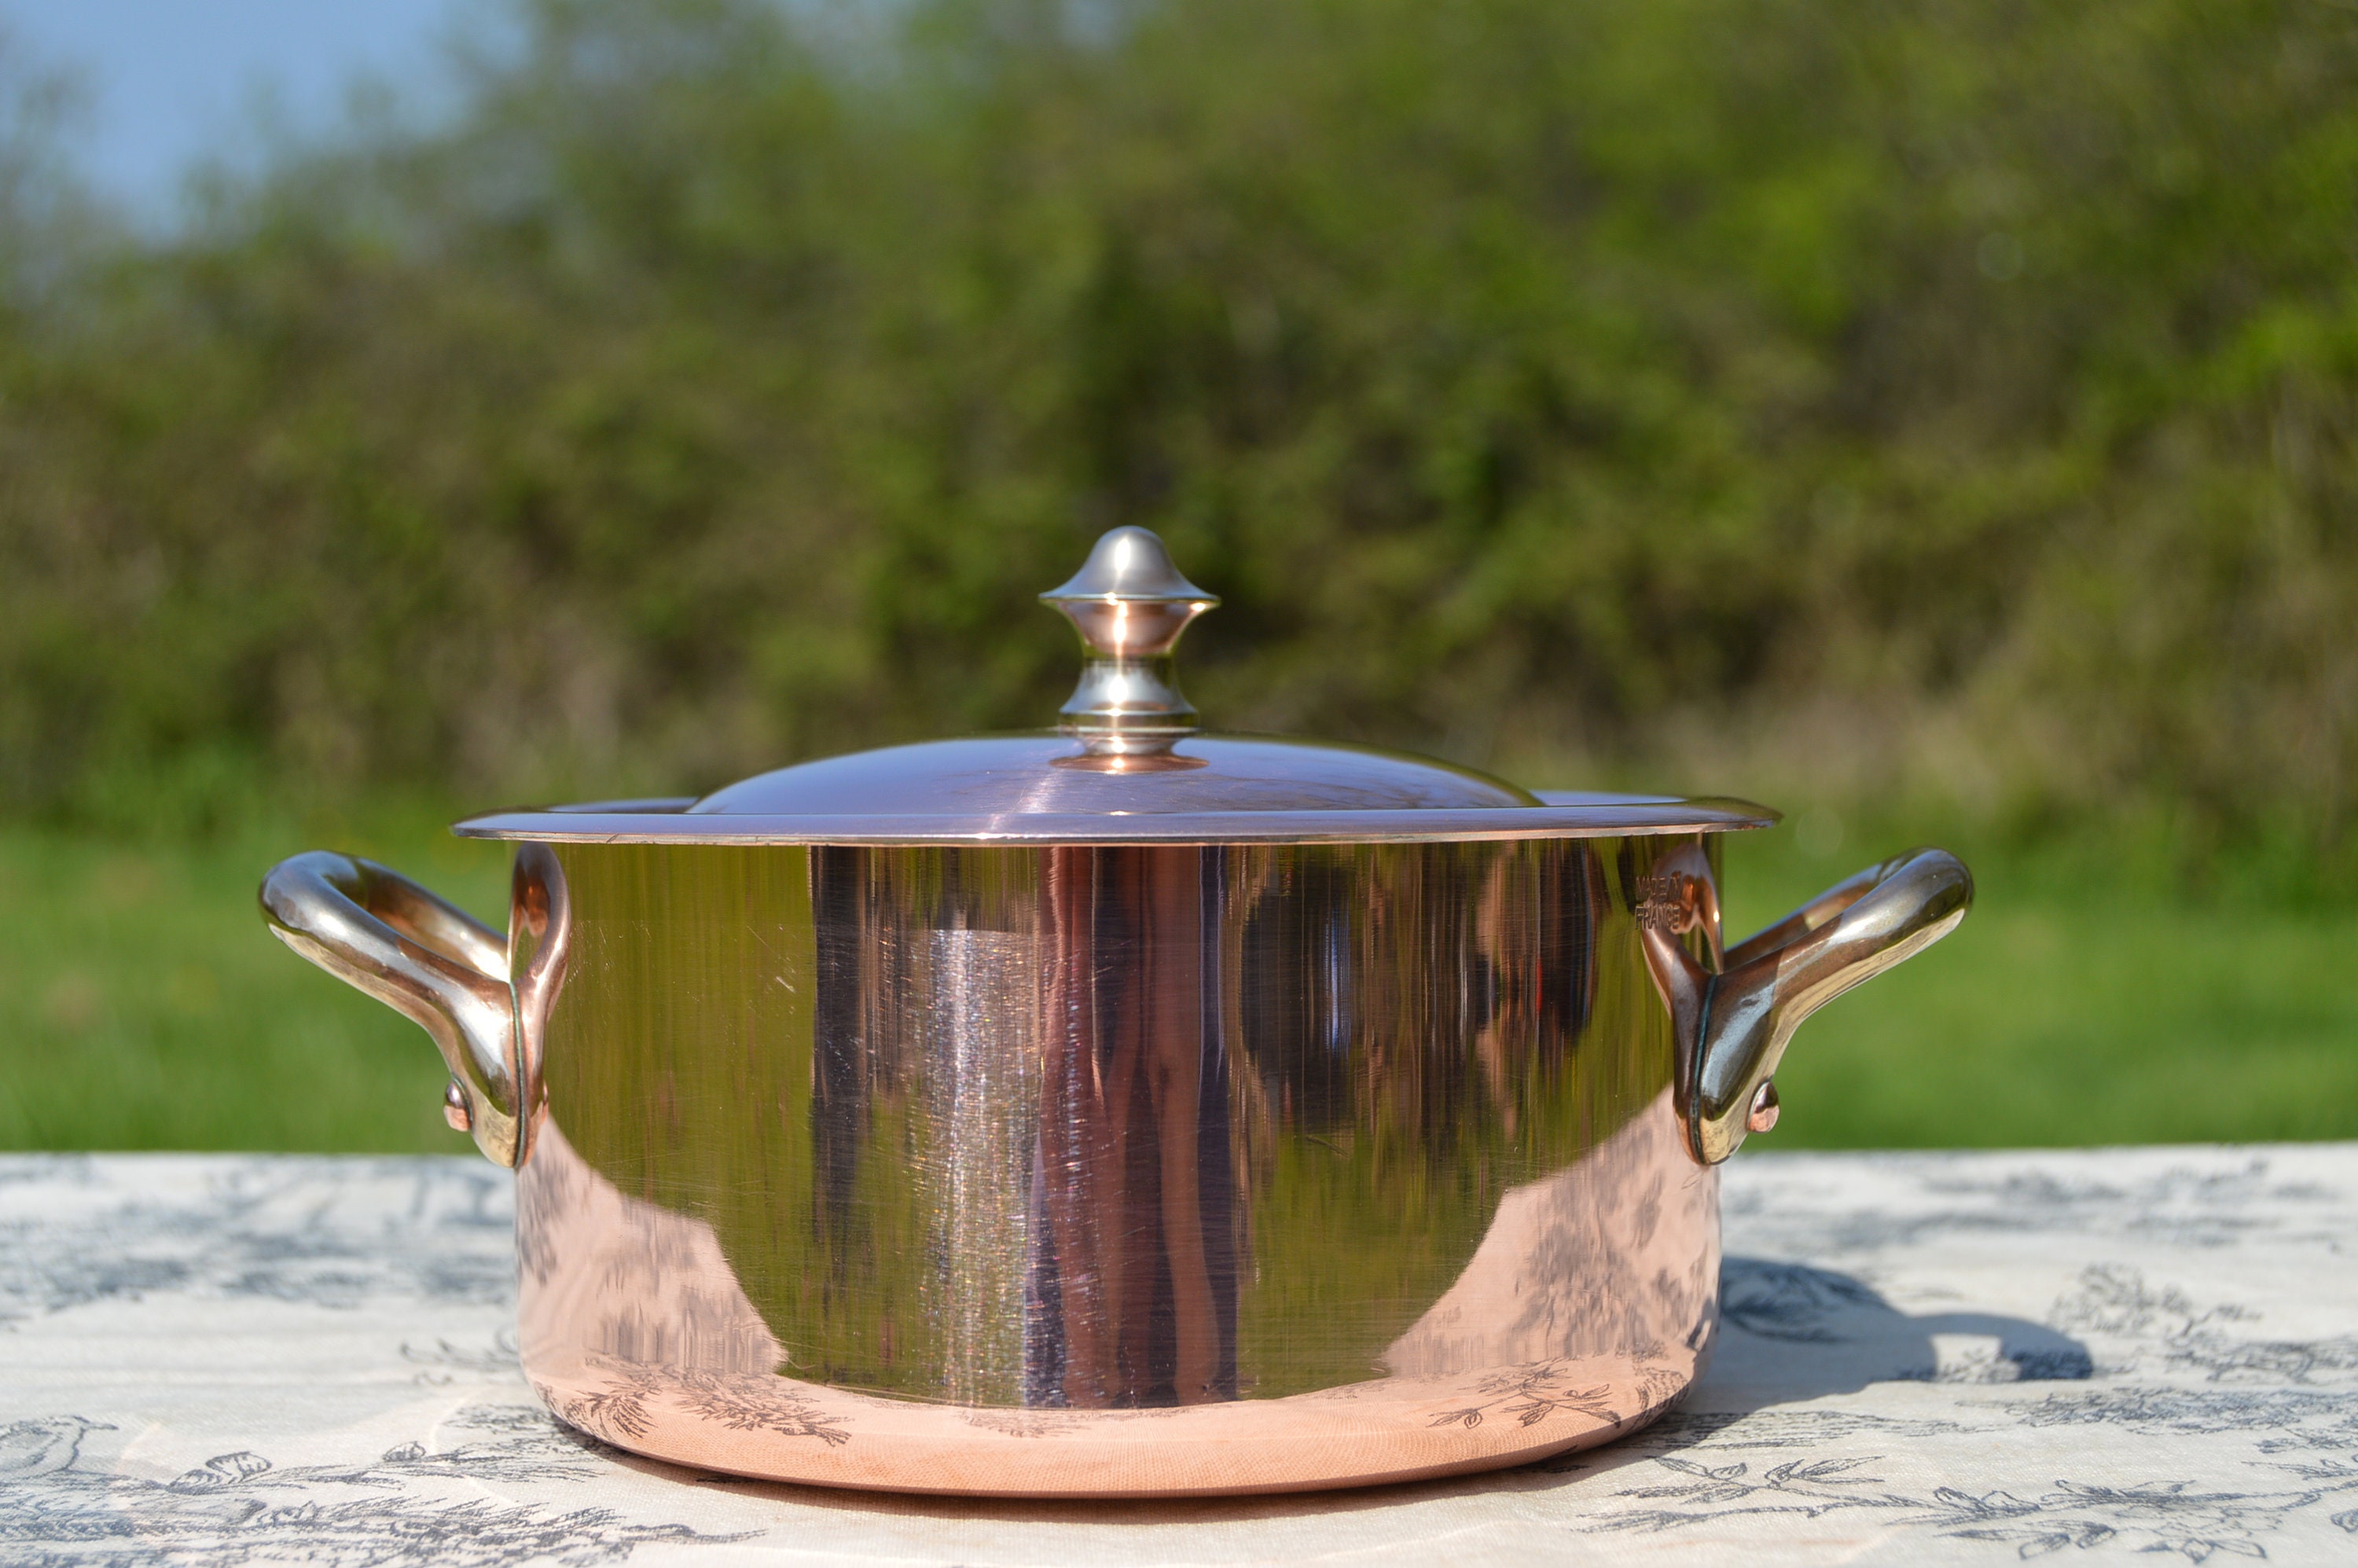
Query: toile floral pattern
2127, 1356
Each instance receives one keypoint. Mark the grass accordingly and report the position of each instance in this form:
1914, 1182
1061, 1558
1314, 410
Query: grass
2087, 1001
143, 1005
2083, 1001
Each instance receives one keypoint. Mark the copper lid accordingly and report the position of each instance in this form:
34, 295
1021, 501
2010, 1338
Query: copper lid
1127, 766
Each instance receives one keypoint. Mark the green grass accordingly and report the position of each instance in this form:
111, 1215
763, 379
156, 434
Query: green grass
143, 1005
2087, 1001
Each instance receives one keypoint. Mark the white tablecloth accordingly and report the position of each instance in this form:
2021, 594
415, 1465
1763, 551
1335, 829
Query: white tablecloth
1940, 1358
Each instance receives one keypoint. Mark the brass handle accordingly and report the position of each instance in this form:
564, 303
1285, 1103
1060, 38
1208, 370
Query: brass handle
484, 998
1732, 1023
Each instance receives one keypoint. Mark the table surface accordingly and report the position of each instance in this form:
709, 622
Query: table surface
1938, 1359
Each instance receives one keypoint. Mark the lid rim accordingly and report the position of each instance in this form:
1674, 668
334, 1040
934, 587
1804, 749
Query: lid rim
1590, 819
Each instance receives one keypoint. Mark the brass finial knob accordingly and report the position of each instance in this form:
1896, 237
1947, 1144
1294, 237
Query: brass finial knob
1129, 604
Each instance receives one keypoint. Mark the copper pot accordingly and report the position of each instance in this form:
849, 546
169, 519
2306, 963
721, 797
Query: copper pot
1115, 1110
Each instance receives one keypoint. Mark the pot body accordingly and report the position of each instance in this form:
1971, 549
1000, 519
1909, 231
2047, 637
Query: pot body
1107, 1170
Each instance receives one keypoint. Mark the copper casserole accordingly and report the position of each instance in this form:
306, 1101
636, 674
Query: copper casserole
1120, 1109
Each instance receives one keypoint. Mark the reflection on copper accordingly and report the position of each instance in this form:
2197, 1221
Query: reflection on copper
1134, 1266
606, 1276
1601, 1258
1111, 1171
1584, 1310
1144, 761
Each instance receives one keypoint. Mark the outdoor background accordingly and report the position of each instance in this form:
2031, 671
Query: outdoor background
1938, 419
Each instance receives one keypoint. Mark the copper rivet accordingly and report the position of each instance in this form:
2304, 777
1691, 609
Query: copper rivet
1764, 1108
454, 1107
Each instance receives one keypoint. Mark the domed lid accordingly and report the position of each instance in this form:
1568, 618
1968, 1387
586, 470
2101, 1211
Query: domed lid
1128, 764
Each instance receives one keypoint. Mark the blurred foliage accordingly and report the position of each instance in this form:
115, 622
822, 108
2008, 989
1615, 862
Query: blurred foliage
1953, 398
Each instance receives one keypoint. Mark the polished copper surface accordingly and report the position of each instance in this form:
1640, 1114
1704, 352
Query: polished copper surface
1141, 1170
998, 776
635, 1328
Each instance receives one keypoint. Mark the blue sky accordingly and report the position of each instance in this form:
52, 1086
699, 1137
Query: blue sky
169, 81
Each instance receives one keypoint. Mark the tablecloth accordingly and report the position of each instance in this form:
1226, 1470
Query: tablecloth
1953, 1357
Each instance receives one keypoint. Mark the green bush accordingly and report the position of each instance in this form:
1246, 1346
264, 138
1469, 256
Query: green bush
1846, 396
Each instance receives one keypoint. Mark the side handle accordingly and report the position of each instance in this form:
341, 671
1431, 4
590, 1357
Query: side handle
484, 998
1733, 1020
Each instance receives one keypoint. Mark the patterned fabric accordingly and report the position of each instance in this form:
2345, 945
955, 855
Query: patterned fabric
1939, 1359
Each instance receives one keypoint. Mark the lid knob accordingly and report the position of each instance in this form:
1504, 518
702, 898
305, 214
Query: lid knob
1129, 604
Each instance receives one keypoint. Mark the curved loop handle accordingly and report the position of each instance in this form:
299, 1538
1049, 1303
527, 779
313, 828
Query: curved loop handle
1733, 1024
440, 967
540, 945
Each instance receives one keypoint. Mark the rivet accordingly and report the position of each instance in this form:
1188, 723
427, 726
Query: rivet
454, 1107
1764, 1108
